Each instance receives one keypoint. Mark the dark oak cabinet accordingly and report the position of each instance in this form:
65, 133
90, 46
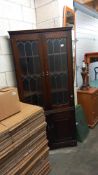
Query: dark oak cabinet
44, 71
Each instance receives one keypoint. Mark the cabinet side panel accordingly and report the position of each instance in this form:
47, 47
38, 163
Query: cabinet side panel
86, 101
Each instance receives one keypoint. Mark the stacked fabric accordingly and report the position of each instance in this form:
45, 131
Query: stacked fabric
23, 143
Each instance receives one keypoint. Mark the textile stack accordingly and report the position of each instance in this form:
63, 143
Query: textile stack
23, 143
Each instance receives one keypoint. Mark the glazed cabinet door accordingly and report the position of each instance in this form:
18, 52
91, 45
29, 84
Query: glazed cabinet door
59, 69
29, 68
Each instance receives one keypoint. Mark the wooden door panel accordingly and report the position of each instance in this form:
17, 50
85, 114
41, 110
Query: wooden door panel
61, 128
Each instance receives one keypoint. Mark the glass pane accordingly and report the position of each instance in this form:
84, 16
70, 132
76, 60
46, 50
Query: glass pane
64, 62
51, 62
23, 64
39, 85
36, 65
50, 46
26, 84
34, 99
37, 99
60, 97
33, 84
21, 47
57, 63
59, 81
35, 48
58, 67
28, 100
41, 99
30, 67
56, 45
63, 45
55, 98
53, 81
65, 96
64, 79
28, 48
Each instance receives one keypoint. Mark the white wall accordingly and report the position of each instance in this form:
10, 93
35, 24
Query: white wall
87, 40
20, 15
49, 13
61, 4
14, 15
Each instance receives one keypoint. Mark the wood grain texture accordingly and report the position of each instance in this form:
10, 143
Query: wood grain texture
89, 101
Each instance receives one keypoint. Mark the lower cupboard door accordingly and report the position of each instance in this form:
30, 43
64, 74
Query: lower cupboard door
61, 130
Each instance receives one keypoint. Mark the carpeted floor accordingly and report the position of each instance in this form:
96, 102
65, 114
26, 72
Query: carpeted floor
79, 160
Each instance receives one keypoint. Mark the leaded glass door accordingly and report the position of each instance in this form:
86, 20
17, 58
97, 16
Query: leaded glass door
30, 69
59, 67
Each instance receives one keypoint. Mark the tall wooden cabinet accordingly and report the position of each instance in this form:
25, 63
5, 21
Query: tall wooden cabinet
44, 71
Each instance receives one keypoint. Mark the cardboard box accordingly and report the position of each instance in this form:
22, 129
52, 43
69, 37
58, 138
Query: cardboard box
9, 102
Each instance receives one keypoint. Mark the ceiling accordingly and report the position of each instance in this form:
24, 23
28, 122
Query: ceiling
91, 3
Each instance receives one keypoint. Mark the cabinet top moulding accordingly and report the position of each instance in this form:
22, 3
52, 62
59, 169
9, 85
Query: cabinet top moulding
39, 30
